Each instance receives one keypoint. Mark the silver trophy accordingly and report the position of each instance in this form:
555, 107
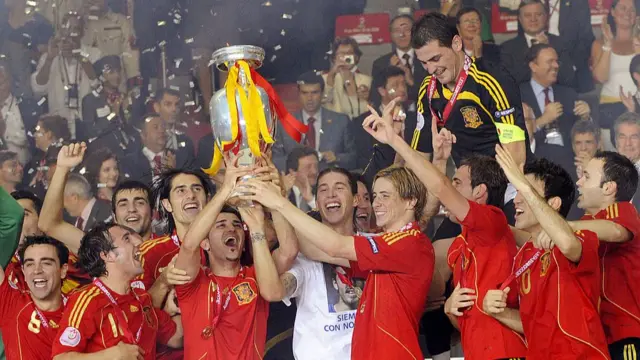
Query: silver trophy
221, 118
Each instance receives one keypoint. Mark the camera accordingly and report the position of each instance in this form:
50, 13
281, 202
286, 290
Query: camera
349, 59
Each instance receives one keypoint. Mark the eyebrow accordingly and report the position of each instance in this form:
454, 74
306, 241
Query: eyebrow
41, 259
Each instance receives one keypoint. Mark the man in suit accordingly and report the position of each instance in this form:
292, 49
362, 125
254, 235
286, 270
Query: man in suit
627, 140
167, 104
82, 205
532, 17
555, 107
402, 56
301, 178
328, 133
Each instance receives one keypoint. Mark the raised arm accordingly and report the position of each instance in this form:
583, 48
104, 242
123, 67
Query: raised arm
269, 285
606, 230
550, 220
11, 215
51, 221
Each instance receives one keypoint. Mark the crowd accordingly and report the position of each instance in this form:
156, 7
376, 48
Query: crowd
462, 192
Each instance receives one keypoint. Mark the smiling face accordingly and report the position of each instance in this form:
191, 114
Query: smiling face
533, 18
186, 199
133, 210
593, 195
544, 69
30, 222
364, 209
470, 25
126, 255
43, 271
525, 219
226, 238
401, 33
11, 172
109, 173
334, 198
624, 14
628, 141
388, 206
441, 61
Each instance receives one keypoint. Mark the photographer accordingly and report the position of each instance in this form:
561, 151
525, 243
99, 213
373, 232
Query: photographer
346, 90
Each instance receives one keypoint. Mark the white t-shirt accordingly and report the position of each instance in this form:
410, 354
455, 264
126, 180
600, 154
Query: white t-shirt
326, 311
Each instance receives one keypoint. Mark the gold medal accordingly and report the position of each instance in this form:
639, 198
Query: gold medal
207, 332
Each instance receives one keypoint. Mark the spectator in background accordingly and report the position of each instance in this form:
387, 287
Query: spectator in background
611, 59
365, 221
50, 130
55, 10
631, 99
347, 89
28, 28
10, 171
585, 142
301, 178
329, 132
402, 56
627, 140
469, 23
44, 169
32, 206
167, 104
82, 205
556, 107
533, 18
65, 72
12, 130
102, 173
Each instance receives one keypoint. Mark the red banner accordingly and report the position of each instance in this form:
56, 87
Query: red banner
365, 29
420, 13
599, 9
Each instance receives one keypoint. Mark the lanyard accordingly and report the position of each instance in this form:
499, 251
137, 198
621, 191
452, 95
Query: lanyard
463, 280
65, 73
462, 79
128, 335
43, 320
207, 332
522, 269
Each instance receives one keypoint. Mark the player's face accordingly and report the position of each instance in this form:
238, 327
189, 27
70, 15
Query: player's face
462, 183
533, 18
628, 141
186, 199
585, 143
30, 222
310, 97
387, 204
226, 238
109, 173
590, 190
441, 61
334, 198
126, 254
364, 209
525, 220
347, 293
133, 210
43, 271
401, 33
546, 66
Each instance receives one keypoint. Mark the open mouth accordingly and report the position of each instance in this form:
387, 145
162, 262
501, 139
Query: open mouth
39, 283
333, 206
132, 219
231, 242
192, 208
362, 216
136, 254
519, 212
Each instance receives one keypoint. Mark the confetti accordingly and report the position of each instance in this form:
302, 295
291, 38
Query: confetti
273, 58
277, 47
162, 23
171, 77
178, 62
127, 175
188, 41
183, 144
198, 109
191, 84
283, 33
266, 3
42, 101
92, 17
152, 49
30, 171
111, 116
101, 185
189, 103
287, 16
83, 171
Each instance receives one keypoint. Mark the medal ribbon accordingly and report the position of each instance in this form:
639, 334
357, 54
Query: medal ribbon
219, 308
128, 335
43, 320
462, 79
521, 270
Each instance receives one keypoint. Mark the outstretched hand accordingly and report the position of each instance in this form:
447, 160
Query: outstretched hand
511, 169
442, 142
71, 155
381, 126
266, 193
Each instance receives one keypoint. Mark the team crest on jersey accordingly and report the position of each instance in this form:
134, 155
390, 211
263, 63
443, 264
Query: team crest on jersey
545, 261
244, 293
133, 309
471, 117
70, 337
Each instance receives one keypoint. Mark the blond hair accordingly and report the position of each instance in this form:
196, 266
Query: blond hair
408, 185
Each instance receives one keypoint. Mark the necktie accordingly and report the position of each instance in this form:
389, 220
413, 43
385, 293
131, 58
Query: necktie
310, 136
406, 58
547, 100
157, 164
534, 42
80, 223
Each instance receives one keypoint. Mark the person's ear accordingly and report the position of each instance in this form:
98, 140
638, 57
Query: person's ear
610, 188
167, 205
555, 202
204, 244
63, 271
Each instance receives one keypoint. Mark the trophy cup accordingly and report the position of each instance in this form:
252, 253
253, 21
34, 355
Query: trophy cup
243, 115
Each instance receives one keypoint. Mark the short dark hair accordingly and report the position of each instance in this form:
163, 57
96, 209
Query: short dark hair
619, 169
465, 11
486, 170
353, 183
535, 50
585, 127
298, 153
94, 243
433, 26
634, 68
160, 93
93, 164
161, 189
557, 182
130, 185
524, 3
61, 249
230, 210
401, 16
311, 78
28, 195
360, 178
385, 74
345, 41
6, 155
51, 156
144, 119
58, 126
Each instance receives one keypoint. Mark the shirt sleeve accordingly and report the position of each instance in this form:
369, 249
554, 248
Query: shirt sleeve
501, 95
166, 327
8, 295
76, 326
185, 291
488, 222
589, 261
625, 215
11, 214
299, 269
394, 252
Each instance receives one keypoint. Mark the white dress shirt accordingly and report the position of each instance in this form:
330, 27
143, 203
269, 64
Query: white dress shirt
150, 155
298, 195
554, 20
552, 137
15, 136
86, 213
317, 125
411, 53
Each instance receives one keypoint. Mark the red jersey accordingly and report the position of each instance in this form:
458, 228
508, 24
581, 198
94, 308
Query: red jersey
241, 318
156, 254
24, 335
90, 322
75, 276
559, 303
481, 257
400, 267
620, 307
